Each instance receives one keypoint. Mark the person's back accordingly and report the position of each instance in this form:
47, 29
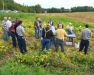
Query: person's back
60, 33
86, 34
49, 33
60, 37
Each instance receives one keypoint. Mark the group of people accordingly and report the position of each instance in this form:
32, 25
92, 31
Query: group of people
49, 34
16, 31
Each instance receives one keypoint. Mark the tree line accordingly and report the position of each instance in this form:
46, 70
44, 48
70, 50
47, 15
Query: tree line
12, 5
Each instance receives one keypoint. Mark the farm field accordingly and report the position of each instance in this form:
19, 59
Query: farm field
37, 62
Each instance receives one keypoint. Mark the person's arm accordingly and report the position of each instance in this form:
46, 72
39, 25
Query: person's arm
65, 33
23, 32
35, 25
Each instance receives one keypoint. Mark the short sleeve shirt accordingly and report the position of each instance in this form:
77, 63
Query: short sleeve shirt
20, 30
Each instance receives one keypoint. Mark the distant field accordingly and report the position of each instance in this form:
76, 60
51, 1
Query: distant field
83, 16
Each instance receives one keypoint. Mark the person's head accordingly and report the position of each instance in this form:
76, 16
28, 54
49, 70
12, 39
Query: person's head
86, 26
50, 20
70, 24
9, 18
19, 22
48, 25
37, 18
13, 23
60, 26
17, 19
5, 18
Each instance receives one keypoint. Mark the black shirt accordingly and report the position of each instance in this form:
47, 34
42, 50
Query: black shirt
15, 26
49, 33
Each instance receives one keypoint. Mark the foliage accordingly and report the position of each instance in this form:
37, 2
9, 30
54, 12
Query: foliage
37, 62
12, 5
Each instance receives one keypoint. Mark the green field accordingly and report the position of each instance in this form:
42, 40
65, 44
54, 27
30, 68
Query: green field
37, 62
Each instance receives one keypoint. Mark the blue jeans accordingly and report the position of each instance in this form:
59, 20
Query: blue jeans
37, 33
5, 35
22, 44
70, 32
40, 32
84, 43
61, 43
53, 40
13, 39
46, 43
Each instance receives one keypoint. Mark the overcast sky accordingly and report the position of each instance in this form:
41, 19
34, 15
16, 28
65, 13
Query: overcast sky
57, 3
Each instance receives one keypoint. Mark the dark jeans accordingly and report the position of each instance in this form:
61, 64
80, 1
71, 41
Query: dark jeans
13, 39
61, 43
22, 44
53, 40
84, 43
46, 43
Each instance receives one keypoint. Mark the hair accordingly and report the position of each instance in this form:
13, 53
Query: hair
19, 22
60, 25
86, 25
37, 17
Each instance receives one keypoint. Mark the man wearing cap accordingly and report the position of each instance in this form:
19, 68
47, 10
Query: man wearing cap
46, 35
70, 28
85, 36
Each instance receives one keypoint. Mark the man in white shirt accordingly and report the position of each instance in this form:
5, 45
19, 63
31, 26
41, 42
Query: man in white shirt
9, 25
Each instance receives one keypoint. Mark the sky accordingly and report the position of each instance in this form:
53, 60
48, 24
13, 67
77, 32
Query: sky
57, 3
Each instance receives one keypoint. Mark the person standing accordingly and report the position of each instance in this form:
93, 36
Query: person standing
60, 33
46, 35
70, 32
50, 22
9, 25
21, 37
37, 28
13, 35
53, 39
85, 36
5, 28
40, 24
70, 28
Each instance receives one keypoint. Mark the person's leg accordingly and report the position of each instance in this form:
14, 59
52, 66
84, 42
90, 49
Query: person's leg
24, 44
54, 40
86, 46
19, 44
43, 44
13, 39
37, 33
57, 44
48, 44
5, 35
62, 45
81, 45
